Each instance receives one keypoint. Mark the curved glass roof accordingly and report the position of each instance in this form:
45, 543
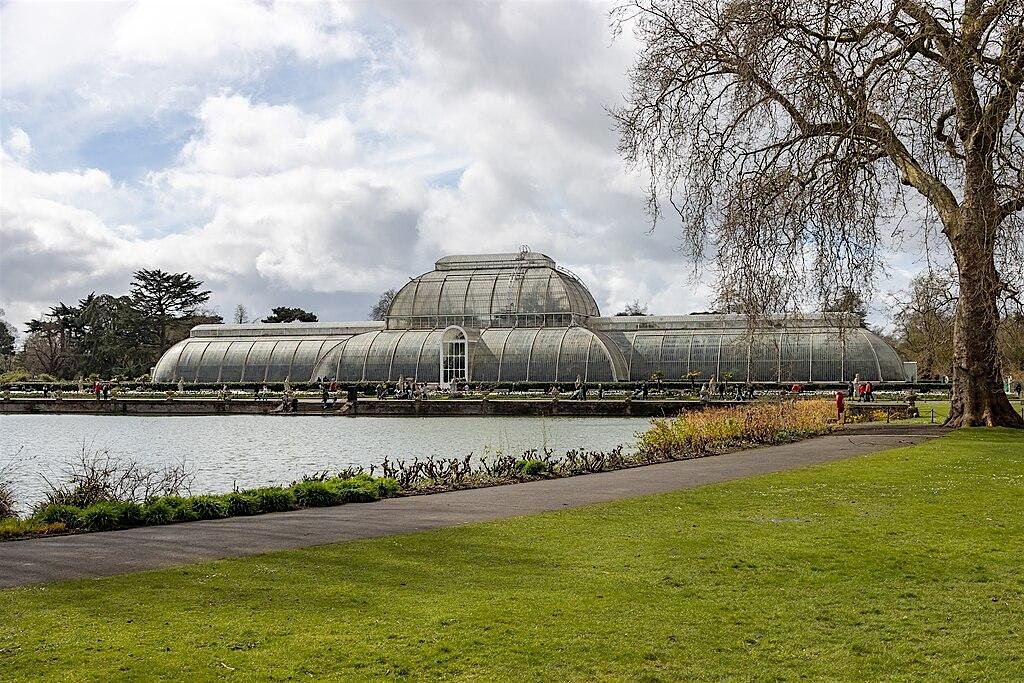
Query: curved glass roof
498, 355
786, 355
492, 290
541, 355
249, 359
525, 319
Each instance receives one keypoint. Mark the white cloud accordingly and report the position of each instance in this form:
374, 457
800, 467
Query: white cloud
51, 247
291, 202
239, 138
46, 45
201, 32
18, 143
74, 71
43, 42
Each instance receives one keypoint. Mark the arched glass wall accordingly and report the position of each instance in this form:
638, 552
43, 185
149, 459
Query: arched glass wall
256, 360
790, 355
500, 355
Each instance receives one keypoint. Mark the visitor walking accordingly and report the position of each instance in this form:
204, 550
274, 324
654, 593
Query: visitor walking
324, 397
106, 391
867, 392
840, 406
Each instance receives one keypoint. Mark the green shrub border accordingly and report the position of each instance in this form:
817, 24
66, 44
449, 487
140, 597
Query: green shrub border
111, 515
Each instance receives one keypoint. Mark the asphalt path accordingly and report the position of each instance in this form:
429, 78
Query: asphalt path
59, 558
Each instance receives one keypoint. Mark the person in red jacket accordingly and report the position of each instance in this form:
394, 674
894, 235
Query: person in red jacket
840, 406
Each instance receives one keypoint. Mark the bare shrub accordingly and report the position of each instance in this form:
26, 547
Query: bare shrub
8, 500
353, 471
99, 476
503, 465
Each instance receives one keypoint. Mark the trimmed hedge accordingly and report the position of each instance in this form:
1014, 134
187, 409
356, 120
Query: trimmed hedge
108, 515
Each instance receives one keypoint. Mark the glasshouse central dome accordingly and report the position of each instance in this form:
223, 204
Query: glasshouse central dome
492, 290
500, 318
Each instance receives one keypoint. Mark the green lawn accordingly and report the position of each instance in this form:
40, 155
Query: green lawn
904, 564
941, 408
925, 408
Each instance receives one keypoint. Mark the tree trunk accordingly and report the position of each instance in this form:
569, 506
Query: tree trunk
978, 398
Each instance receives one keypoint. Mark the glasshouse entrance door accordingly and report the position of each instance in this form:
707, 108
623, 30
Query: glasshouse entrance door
453, 358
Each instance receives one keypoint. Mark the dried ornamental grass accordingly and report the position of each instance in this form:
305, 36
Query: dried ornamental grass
698, 433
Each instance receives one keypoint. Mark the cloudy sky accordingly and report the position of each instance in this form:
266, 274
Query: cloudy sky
315, 154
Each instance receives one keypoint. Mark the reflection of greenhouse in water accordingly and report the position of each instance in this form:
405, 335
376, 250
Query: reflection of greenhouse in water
520, 318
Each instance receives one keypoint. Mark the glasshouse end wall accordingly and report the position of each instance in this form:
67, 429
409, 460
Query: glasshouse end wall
502, 318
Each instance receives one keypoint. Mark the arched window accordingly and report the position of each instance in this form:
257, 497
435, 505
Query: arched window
454, 366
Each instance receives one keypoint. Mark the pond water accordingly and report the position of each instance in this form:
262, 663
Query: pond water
256, 450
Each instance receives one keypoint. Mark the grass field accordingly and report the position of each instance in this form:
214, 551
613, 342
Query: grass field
903, 565
941, 409
926, 410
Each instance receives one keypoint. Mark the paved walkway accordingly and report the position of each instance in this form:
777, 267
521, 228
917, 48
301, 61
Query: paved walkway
59, 558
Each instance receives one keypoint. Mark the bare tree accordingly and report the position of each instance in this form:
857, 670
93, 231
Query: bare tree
380, 309
49, 349
923, 317
1011, 347
241, 315
634, 307
789, 135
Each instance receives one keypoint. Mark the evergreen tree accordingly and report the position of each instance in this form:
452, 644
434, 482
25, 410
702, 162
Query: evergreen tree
161, 297
283, 314
7, 338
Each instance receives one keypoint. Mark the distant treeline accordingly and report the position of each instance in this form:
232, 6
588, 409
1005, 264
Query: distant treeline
116, 337
109, 336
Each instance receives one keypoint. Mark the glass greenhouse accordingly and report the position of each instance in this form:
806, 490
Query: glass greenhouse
520, 318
